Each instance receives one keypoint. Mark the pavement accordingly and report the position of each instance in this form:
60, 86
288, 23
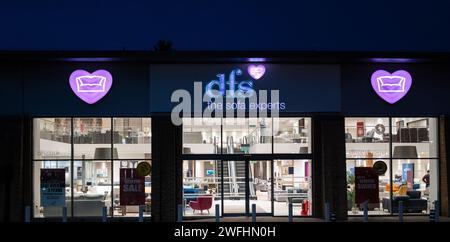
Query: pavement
350, 219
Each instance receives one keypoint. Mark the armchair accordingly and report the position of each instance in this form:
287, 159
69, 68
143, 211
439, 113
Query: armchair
203, 202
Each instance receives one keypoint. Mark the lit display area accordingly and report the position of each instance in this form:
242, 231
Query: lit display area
204, 187
408, 148
270, 184
246, 135
92, 157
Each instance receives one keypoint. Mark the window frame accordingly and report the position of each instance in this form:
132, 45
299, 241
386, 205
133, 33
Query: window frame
72, 160
260, 156
391, 159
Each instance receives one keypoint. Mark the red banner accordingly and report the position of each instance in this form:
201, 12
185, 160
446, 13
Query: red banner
366, 185
360, 129
132, 187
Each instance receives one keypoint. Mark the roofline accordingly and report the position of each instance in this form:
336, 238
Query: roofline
227, 56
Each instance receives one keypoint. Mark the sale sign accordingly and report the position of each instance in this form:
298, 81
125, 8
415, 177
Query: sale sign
53, 184
132, 187
366, 185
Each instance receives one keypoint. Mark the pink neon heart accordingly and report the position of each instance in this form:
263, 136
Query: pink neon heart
256, 71
90, 87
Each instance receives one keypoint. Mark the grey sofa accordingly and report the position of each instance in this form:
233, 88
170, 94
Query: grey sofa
85, 205
294, 195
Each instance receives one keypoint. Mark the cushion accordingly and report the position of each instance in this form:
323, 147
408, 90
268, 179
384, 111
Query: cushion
401, 198
94, 195
191, 190
402, 190
414, 194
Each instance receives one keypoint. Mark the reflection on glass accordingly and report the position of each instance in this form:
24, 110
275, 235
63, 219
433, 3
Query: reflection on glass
414, 149
234, 187
247, 135
416, 179
380, 208
133, 137
201, 187
367, 137
260, 173
50, 211
92, 175
418, 132
130, 211
201, 135
52, 137
91, 187
292, 135
91, 133
292, 184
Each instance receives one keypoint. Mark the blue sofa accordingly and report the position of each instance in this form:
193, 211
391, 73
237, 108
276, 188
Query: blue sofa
190, 194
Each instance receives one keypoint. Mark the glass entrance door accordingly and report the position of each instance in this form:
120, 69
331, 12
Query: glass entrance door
260, 186
246, 182
234, 187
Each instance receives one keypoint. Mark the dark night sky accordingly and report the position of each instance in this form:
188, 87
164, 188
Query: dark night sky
373, 25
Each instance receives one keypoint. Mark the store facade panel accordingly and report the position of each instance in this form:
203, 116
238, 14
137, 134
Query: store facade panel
427, 95
297, 84
45, 89
86, 127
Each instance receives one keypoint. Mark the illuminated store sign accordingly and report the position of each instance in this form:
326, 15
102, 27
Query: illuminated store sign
256, 71
90, 87
240, 89
391, 87
233, 87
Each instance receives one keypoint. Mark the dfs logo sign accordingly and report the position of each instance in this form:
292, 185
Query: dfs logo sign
234, 88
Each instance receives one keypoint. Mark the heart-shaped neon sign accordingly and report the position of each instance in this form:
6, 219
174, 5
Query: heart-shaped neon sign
256, 71
90, 87
391, 87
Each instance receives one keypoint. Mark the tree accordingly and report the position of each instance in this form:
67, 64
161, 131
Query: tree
163, 45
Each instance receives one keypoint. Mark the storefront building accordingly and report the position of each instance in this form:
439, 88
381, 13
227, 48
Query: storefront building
94, 133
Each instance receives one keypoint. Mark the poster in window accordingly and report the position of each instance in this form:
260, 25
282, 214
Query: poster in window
132, 187
360, 129
366, 185
53, 185
408, 175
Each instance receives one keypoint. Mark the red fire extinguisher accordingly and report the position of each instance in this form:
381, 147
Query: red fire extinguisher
305, 208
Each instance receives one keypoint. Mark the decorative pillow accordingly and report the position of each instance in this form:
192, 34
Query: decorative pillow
94, 196
402, 190
402, 198
414, 194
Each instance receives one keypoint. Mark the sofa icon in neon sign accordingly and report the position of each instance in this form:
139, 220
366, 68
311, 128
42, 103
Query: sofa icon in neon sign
90, 87
232, 87
391, 87
91, 83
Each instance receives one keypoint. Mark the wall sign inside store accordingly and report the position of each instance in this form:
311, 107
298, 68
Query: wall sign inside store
391, 87
90, 87
144, 169
380, 167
